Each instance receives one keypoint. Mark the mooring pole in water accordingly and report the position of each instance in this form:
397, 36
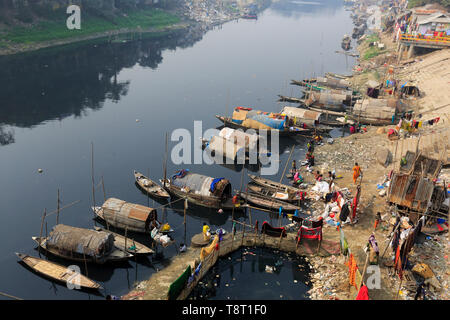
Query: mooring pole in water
92, 175
103, 187
126, 231
85, 262
148, 195
42, 227
10, 296
185, 206
165, 162
57, 210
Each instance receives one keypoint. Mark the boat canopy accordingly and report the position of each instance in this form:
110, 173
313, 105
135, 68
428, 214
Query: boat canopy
382, 109
255, 119
125, 215
201, 185
326, 98
299, 115
333, 82
225, 148
240, 138
78, 241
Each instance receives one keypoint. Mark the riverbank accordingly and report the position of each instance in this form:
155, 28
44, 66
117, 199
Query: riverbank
430, 72
50, 33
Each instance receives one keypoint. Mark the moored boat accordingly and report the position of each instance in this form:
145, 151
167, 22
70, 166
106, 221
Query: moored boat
58, 272
80, 244
124, 215
200, 190
127, 244
272, 185
149, 186
268, 203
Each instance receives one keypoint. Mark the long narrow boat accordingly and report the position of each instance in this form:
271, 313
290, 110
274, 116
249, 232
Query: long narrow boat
132, 246
149, 186
57, 272
287, 131
272, 185
267, 203
271, 194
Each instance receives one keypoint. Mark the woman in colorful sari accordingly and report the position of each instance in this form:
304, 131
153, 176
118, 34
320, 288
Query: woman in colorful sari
356, 172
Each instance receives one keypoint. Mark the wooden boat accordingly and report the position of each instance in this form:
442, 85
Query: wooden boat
272, 185
71, 240
276, 195
266, 228
268, 203
149, 186
196, 190
57, 272
119, 242
287, 131
124, 215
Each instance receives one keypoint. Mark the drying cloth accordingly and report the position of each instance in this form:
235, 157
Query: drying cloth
363, 293
213, 184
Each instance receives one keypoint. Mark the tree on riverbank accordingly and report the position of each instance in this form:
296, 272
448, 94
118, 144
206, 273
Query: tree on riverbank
418, 3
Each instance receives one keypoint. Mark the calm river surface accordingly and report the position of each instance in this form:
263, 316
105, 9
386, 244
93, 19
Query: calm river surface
54, 103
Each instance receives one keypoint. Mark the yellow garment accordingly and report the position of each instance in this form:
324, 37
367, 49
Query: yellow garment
420, 124
206, 251
165, 227
205, 228
206, 234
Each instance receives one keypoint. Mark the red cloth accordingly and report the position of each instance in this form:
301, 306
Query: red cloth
309, 233
363, 293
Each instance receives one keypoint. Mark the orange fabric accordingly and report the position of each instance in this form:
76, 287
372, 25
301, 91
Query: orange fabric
356, 173
352, 267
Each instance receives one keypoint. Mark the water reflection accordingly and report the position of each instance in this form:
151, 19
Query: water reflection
297, 8
56, 83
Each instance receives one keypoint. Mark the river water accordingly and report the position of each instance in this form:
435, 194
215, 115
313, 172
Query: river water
54, 103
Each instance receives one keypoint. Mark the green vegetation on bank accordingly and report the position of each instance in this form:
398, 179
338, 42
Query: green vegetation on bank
56, 29
371, 51
418, 3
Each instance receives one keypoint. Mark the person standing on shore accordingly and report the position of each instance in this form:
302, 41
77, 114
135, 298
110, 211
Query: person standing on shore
356, 172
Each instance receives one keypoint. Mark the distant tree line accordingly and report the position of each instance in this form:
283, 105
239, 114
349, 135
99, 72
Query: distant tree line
418, 3
28, 11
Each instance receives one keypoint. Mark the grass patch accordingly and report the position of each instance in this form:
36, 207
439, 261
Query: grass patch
56, 29
371, 52
372, 38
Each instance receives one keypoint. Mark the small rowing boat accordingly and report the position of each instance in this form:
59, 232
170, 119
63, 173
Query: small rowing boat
267, 203
276, 195
272, 185
149, 186
58, 272
131, 246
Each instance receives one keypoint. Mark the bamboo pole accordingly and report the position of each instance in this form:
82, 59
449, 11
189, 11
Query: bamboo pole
42, 226
57, 210
364, 271
148, 195
85, 262
10, 296
165, 164
126, 231
185, 205
92, 168
103, 187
